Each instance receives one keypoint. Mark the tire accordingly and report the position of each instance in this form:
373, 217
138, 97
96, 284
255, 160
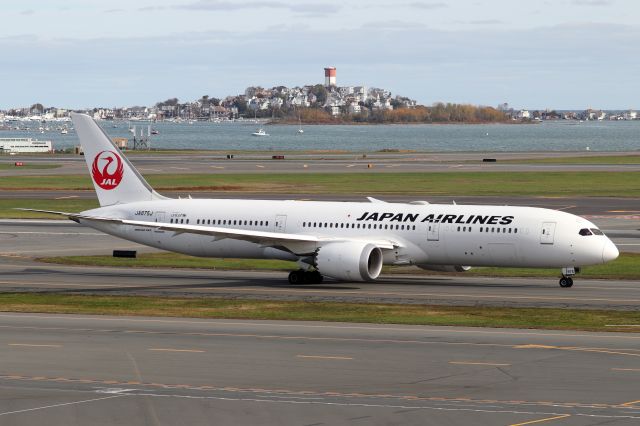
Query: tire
312, 277
566, 282
295, 277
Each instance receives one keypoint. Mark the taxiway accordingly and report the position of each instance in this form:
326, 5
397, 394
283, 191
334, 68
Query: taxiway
78, 370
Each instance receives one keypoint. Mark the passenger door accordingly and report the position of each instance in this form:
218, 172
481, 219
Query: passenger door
160, 217
547, 232
433, 231
281, 223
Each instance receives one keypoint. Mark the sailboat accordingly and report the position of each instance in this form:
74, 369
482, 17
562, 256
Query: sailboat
300, 125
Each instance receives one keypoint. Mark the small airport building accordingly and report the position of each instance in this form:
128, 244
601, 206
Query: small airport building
24, 145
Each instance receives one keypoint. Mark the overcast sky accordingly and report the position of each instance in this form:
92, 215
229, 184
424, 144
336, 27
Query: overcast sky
564, 54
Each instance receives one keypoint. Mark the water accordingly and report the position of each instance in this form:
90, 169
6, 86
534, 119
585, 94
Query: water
549, 136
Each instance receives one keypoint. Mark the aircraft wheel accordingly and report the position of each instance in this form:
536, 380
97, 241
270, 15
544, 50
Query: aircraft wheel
566, 282
296, 277
313, 277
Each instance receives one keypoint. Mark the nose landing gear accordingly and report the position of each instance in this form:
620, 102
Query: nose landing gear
566, 281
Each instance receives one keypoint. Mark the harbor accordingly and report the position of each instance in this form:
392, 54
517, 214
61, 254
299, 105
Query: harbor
557, 136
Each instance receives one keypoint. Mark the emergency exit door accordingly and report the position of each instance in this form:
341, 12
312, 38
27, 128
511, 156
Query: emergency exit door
281, 223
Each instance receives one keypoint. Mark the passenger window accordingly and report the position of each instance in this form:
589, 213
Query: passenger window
515, 230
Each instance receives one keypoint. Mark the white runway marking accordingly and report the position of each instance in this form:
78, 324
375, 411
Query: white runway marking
61, 405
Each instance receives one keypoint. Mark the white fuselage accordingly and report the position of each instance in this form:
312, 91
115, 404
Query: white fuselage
426, 234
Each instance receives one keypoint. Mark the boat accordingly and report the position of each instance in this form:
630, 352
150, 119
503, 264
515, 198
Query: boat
260, 132
300, 125
64, 131
154, 132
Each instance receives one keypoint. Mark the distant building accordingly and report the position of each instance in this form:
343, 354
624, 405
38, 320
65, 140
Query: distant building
334, 110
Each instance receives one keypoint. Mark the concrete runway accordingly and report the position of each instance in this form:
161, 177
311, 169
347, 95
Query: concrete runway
21, 241
79, 370
184, 163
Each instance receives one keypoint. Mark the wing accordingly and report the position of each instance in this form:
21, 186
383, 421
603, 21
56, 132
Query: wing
299, 244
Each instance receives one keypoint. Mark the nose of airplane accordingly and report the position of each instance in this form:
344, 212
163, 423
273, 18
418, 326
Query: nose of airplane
609, 251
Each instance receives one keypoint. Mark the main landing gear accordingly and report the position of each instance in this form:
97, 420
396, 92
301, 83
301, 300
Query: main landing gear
305, 277
566, 281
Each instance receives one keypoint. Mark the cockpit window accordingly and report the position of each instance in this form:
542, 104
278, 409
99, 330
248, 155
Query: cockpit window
596, 231
585, 232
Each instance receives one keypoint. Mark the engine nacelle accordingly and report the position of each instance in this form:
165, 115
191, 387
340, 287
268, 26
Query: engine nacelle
445, 268
349, 261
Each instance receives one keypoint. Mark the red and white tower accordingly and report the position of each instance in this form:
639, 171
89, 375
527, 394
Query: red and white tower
330, 76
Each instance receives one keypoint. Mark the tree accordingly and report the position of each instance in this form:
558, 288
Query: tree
320, 92
39, 108
241, 104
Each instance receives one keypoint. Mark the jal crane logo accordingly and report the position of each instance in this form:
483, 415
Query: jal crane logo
107, 170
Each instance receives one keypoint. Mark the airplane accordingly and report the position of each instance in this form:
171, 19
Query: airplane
345, 241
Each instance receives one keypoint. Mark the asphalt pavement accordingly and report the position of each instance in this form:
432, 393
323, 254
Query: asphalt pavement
79, 370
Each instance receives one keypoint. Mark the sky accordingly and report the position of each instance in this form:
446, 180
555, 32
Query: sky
562, 54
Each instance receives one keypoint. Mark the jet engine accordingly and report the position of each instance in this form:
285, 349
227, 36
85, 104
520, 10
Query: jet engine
349, 261
445, 268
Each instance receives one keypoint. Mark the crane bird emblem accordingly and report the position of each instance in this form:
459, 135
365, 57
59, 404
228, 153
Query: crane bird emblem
106, 174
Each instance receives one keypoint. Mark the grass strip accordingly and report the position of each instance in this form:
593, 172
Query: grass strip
611, 184
536, 318
27, 166
626, 267
72, 205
